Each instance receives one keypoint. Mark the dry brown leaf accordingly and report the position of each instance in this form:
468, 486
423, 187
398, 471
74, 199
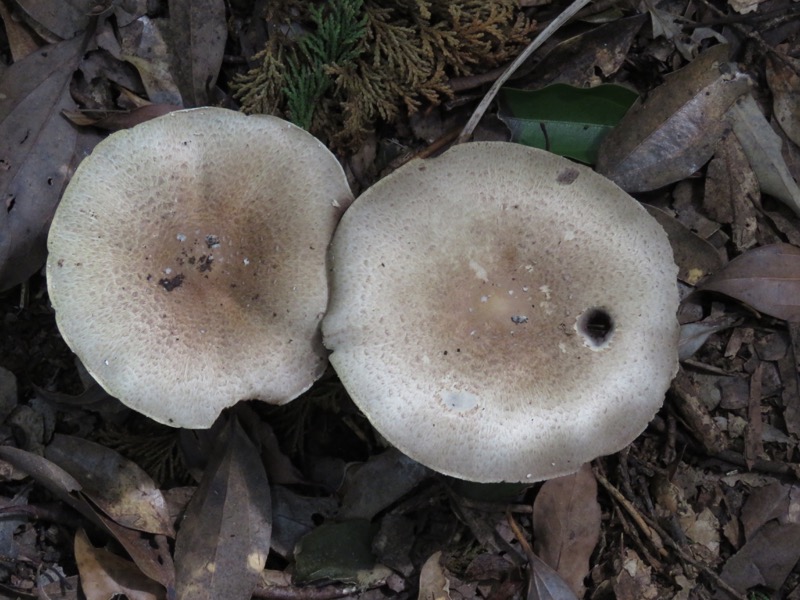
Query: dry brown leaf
766, 278
744, 6
576, 59
566, 525
150, 553
38, 148
732, 193
674, 132
118, 486
379, 483
104, 574
45, 473
694, 335
783, 78
116, 120
65, 19
154, 561
224, 539
21, 40
433, 583
766, 559
198, 36
141, 43
773, 501
763, 149
753, 438
546, 584
634, 580
696, 258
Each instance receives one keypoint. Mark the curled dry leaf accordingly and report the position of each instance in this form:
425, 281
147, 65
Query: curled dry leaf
104, 575
674, 132
566, 525
37, 152
546, 584
783, 77
763, 149
142, 44
731, 192
433, 583
694, 335
57, 481
21, 40
118, 486
150, 553
766, 278
576, 60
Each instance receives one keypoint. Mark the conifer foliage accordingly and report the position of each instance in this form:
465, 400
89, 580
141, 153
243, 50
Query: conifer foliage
359, 61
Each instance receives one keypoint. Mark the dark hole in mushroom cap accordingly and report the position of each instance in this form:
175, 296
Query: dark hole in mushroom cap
596, 326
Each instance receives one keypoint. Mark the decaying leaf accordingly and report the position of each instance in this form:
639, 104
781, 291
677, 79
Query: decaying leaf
744, 6
546, 584
198, 38
223, 542
695, 257
293, 517
566, 525
674, 132
150, 553
634, 580
766, 278
142, 44
731, 192
154, 561
118, 486
774, 501
433, 583
51, 476
116, 120
21, 40
783, 77
694, 335
378, 483
38, 147
766, 559
575, 60
65, 19
763, 149
338, 551
103, 574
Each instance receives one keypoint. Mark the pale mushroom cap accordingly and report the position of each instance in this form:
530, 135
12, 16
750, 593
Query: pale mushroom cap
461, 291
187, 262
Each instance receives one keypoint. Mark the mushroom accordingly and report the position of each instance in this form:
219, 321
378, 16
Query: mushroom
187, 262
502, 314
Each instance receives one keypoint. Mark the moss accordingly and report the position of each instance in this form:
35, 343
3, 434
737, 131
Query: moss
367, 60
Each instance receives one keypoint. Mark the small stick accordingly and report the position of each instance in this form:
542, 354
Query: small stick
540, 39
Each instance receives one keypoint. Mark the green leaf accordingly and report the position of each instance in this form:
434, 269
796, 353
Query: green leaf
563, 119
338, 551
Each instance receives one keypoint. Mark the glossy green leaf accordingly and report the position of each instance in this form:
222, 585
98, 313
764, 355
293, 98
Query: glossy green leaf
563, 119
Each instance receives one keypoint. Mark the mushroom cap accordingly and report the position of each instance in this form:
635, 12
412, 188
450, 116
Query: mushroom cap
500, 313
187, 262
